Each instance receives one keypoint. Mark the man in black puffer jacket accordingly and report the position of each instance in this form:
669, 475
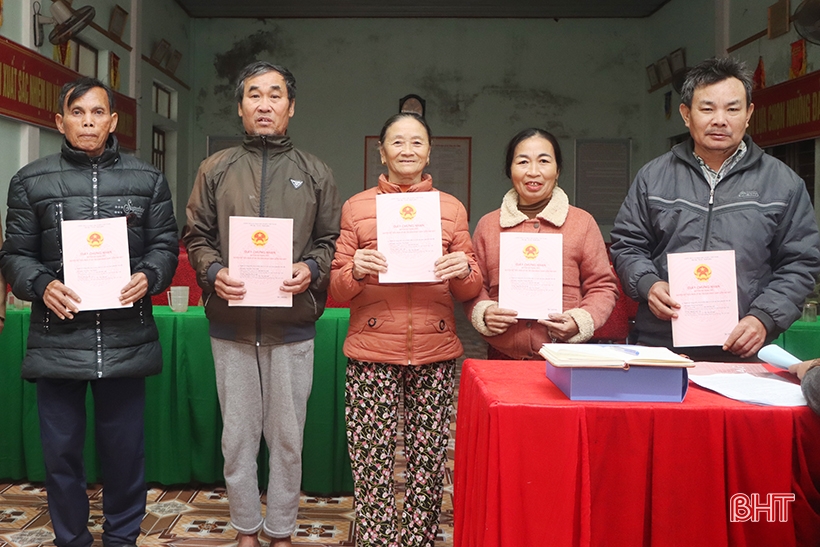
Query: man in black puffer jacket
111, 349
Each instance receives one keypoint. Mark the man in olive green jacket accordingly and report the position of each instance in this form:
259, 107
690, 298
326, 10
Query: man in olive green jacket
263, 355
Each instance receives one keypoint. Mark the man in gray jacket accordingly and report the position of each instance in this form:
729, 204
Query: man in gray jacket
109, 350
718, 191
263, 355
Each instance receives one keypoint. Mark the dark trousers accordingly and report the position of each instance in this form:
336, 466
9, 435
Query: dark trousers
118, 409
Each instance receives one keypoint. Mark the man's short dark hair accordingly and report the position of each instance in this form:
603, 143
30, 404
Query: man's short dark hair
257, 68
712, 71
76, 89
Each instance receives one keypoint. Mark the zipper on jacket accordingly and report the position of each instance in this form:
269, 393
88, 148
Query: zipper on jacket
262, 178
258, 328
99, 345
709, 217
59, 219
95, 213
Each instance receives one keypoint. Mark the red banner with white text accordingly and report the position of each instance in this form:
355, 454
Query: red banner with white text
30, 86
787, 112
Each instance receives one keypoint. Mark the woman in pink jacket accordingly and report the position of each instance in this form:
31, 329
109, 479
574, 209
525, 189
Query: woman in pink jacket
401, 347
535, 204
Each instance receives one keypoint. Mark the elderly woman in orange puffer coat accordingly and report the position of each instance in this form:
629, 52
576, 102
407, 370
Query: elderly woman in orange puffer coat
402, 346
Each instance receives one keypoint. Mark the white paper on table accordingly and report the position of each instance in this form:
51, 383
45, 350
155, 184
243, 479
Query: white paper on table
96, 261
751, 388
530, 274
777, 356
408, 229
261, 256
705, 286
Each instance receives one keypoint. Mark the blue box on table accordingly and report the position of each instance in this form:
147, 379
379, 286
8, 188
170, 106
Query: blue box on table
637, 383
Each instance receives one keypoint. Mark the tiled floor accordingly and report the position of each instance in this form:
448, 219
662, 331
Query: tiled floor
198, 516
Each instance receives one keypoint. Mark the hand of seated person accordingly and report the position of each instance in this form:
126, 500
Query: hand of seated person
800, 369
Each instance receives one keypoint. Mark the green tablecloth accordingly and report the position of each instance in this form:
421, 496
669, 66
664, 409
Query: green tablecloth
182, 421
801, 340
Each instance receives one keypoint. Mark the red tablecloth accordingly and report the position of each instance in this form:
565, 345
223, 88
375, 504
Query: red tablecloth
536, 469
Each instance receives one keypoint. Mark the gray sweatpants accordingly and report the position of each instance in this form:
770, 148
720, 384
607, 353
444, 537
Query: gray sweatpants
269, 396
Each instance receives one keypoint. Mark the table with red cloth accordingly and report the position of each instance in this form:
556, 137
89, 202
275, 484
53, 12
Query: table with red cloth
536, 469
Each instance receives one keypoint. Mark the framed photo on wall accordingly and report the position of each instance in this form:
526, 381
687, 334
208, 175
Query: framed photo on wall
652, 76
664, 70
116, 25
161, 49
677, 60
173, 61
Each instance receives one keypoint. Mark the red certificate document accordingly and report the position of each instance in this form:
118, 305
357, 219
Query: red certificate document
530, 275
705, 286
408, 228
96, 263
261, 255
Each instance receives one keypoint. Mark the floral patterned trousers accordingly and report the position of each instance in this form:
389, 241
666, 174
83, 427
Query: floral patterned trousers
373, 393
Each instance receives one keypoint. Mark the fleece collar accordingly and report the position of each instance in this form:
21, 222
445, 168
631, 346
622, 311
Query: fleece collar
555, 212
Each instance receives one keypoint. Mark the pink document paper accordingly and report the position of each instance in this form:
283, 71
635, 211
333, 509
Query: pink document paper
96, 263
530, 276
408, 229
261, 256
705, 286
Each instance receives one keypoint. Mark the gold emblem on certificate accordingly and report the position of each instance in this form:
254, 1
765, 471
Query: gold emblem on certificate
259, 238
408, 212
95, 239
703, 272
530, 252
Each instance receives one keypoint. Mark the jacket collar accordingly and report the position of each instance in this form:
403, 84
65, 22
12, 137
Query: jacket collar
387, 187
110, 155
685, 151
555, 212
275, 144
